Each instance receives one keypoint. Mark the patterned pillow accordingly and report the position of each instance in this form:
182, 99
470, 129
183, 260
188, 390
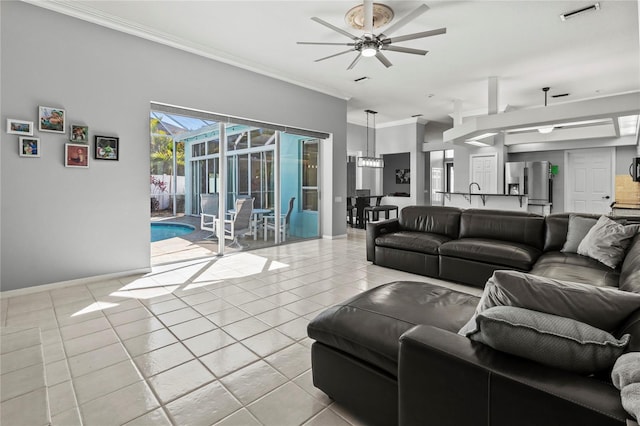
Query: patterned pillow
548, 339
601, 307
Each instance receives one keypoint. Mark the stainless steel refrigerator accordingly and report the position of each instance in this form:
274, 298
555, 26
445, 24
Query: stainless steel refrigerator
531, 178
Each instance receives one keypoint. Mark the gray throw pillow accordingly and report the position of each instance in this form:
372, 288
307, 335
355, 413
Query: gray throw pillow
601, 307
548, 339
626, 370
607, 241
578, 229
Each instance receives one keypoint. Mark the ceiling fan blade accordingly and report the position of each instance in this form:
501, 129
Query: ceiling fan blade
383, 59
414, 36
355, 61
404, 50
368, 16
334, 28
334, 55
404, 21
325, 44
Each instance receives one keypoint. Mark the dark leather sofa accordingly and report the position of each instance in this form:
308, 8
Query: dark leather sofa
392, 355
467, 246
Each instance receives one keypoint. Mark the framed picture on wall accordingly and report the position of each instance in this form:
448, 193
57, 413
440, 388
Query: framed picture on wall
76, 155
19, 127
51, 119
106, 148
78, 134
29, 147
403, 176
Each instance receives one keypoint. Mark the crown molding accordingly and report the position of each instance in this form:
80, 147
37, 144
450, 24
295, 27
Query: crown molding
88, 14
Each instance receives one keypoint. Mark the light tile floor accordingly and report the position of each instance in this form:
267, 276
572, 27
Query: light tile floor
197, 342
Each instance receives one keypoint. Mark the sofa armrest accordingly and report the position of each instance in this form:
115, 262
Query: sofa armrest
447, 379
374, 230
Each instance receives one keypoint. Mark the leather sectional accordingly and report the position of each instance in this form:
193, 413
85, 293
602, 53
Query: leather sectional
393, 355
466, 246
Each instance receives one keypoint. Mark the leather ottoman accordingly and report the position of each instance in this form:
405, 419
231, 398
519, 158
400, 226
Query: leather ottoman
355, 353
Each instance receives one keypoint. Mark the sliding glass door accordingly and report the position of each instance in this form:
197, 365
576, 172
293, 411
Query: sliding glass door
278, 169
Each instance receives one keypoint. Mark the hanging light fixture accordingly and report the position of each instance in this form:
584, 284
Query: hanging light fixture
373, 161
545, 129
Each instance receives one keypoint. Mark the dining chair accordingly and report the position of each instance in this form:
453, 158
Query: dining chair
209, 204
241, 222
270, 222
351, 207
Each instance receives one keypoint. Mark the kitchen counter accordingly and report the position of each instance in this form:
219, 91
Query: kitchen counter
467, 200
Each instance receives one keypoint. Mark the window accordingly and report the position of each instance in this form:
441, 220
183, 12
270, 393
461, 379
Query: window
310, 175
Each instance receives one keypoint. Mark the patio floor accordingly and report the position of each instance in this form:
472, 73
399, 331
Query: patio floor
196, 245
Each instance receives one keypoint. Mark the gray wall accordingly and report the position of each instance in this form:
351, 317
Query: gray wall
624, 154
60, 224
406, 138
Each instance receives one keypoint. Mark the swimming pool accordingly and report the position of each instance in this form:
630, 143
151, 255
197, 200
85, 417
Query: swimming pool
165, 230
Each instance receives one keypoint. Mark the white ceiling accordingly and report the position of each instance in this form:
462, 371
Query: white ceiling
523, 43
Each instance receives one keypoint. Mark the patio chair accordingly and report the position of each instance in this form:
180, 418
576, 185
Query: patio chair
209, 205
241, 222
270, 222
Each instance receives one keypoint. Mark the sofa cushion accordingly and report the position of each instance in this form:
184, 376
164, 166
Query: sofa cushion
432, 219
630, 270
369, 325
422, 242
556, 227
548, 339
607, 241
601, 307
578, 228
576, 268
505, 253
517, 227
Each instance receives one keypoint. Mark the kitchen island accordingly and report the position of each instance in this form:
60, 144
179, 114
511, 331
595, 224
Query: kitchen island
466, 200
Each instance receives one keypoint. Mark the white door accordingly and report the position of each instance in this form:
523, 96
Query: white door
589, 181
484, 171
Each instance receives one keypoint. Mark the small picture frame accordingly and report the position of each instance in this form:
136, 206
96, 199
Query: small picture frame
29, 147
106, 148
76, 155
51, 119
19, 127
78, 134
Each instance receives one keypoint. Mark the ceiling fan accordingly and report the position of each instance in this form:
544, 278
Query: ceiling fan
370, 44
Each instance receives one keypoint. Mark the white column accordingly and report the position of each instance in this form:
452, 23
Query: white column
493, 95
222, 190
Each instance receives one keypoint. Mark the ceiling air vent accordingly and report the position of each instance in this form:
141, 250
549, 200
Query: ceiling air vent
577, 12
416, 115
561, 95
361, 79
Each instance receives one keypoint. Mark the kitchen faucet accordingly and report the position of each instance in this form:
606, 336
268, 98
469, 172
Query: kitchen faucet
476, 184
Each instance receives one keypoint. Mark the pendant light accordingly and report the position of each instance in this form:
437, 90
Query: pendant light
372, 161
545, 129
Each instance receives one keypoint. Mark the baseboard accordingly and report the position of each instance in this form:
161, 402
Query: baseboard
70, 283
334, 237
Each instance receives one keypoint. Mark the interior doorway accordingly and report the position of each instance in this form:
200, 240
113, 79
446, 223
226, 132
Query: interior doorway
589, 180
484, 171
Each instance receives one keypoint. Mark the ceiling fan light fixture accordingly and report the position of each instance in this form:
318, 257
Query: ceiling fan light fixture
369, 51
